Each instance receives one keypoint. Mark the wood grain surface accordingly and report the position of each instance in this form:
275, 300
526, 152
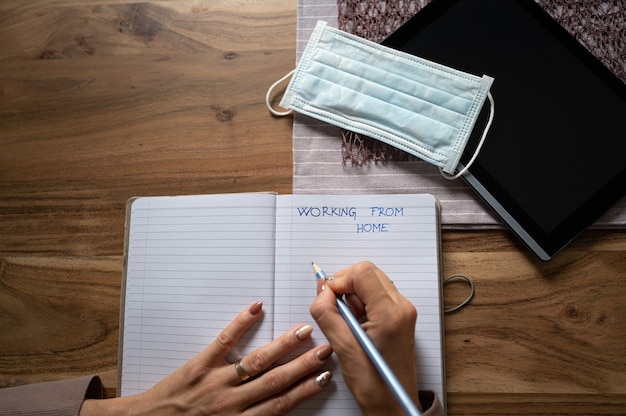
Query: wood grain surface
102, 101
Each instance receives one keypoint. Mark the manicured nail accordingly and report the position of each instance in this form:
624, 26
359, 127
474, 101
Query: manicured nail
323, 353
256, 308
304, 332
323, 378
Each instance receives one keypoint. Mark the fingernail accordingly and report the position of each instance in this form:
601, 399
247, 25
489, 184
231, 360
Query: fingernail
323, 378
256, 308
329, 277
323, 353
304, 332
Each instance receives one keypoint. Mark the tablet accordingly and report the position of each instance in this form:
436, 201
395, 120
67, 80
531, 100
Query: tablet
555, 157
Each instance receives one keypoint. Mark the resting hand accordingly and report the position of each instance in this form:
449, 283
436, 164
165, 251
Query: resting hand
387, 317
208, 384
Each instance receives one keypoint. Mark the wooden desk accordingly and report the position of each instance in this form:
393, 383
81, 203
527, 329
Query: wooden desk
101, 101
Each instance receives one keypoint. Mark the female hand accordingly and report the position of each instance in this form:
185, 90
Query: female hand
387, 317
208, 384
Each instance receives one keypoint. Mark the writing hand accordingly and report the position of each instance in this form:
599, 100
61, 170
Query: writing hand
387, 317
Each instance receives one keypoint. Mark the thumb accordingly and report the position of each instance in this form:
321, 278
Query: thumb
324, 311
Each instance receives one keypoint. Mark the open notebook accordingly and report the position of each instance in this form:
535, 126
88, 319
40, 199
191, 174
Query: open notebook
193, 262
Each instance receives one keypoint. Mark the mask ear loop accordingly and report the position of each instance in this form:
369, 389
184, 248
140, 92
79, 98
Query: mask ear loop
269, 93
480, 144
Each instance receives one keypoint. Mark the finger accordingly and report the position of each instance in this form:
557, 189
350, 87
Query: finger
366, 281
289, 384
262, 358
324, 311
321, 284
290, 399
356, 306
228, 338
282, 377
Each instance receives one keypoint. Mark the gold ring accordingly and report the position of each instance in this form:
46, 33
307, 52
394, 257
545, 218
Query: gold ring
241, 372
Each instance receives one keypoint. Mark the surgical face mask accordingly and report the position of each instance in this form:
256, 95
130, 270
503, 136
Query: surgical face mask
421, 107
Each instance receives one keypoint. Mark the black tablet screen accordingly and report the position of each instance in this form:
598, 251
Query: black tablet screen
559, 134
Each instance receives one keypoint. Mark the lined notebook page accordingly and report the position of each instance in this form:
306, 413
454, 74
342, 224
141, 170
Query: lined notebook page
399, 233
193, 263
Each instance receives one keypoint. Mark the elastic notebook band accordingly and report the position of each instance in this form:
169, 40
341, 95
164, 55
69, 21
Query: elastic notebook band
469, 298
269, 93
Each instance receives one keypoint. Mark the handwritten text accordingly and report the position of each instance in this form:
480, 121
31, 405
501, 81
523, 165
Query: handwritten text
352, 212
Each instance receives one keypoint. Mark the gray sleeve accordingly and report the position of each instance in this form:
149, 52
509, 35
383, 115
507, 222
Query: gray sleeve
62, 398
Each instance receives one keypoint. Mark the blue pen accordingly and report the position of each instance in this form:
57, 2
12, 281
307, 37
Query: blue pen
379, 362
